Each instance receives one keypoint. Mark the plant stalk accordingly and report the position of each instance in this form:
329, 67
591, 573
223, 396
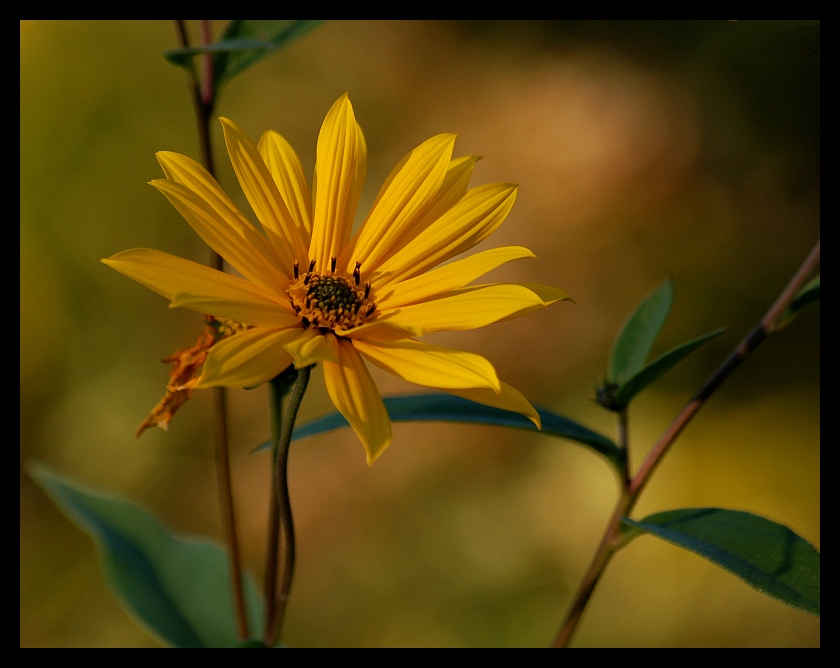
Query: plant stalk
612, 539
281, 438
203, 103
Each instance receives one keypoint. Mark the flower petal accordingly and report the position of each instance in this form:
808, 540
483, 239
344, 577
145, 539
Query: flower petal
547, 293
247, 359
354, 394
468, 223
358, 184
510, 399
454, 186
186, 171
429, 365
403, 199
169, 275
244, 254
259, 188
275, 316
468, 308
312, 347
339, 175
287, 172
452, 189
450, 277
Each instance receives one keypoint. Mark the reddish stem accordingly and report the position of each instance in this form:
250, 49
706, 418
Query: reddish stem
612, 538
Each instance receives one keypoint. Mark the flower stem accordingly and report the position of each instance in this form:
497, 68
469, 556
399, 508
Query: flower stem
612, 539
280, 517
220, 433
203, 103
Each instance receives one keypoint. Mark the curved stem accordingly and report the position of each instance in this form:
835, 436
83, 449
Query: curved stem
606, 549
612, 539
203, 106
276, 605
277, 392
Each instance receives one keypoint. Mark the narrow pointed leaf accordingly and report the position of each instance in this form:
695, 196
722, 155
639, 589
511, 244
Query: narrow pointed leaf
808, 295
766, 555
449, 408
277, 33
632, 345
183, 57
659, 367
178, 589
241, 45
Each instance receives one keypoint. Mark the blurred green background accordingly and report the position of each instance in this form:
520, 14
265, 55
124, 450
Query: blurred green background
643, 150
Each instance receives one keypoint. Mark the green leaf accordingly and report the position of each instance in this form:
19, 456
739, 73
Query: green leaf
242, 44
659, 367
183, 57
766, 555
276, 34
449, 408
808, 295
633, 344
179, 589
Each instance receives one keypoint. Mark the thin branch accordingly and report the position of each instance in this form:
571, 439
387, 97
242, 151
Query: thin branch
612, 536
203, 111
208, 94
747, 345
220, 419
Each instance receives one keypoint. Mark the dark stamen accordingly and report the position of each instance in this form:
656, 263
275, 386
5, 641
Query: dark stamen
357, 273
371, 309
367, 289
332, 264
306, 279
297, 269
311, 267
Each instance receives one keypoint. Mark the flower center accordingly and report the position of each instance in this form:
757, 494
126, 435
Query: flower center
327, 301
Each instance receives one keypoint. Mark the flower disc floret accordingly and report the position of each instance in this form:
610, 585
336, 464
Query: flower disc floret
329, 301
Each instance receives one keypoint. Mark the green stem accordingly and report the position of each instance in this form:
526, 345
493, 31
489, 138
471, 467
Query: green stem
203, 103
278, 388
281, 438
612, 539
277, 392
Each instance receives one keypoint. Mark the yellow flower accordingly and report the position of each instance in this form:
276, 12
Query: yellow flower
313, 292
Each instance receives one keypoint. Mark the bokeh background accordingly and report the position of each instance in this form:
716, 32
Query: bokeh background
643, 150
